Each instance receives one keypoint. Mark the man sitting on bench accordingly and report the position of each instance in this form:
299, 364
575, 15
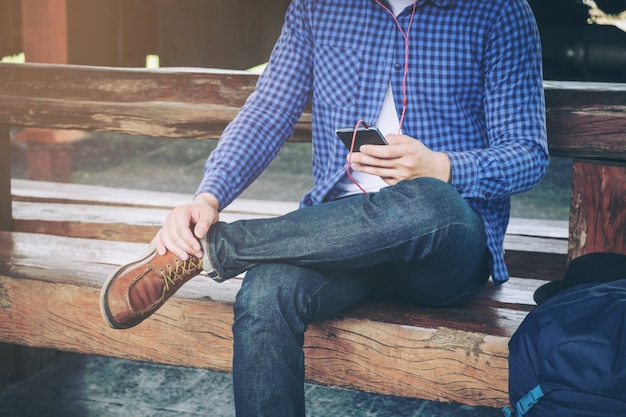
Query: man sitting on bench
456, 89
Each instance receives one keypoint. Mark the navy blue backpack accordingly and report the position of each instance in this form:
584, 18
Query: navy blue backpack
568, 357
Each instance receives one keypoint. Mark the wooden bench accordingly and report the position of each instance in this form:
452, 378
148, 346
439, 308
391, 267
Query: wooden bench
59, 241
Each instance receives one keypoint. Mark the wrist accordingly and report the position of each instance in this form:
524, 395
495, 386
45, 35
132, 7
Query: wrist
445, 168
209, 199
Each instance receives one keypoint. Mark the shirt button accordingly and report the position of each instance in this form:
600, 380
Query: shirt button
397, 66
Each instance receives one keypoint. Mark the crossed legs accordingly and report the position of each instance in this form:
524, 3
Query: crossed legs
418, 239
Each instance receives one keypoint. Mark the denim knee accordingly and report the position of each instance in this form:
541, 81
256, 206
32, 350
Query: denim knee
267, 299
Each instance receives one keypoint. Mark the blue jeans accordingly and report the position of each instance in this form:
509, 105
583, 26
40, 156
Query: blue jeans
418, 239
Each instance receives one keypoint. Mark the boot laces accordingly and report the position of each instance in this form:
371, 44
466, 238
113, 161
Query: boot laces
180, 271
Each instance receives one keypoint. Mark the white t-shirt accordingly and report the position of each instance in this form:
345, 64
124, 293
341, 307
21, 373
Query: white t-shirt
388, 122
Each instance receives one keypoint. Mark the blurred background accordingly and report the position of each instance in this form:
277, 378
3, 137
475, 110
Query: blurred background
239, 34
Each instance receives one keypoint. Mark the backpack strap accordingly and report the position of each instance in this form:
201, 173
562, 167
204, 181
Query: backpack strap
525, 403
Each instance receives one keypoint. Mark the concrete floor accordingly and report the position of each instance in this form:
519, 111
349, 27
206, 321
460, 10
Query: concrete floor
95, 386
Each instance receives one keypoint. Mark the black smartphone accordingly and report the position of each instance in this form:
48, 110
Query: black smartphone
364, 136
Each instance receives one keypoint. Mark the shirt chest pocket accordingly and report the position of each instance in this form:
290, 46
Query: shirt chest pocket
336, 73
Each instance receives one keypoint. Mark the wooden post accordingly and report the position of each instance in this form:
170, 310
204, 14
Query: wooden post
6, 215
44, 31
598, 208
44, 39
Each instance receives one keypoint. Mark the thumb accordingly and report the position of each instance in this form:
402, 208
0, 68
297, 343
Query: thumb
205, 212
203, 223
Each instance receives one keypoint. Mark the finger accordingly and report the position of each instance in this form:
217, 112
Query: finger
184, 237
389, 175
206, 218
158, 244
376, 161
170, 243
366, 168
176, 235
398, 145
379, 151
201, 228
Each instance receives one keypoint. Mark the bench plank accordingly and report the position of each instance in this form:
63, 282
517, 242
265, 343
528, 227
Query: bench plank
189, 102
114, 84
54, 192
131, 224
179, 120
526, 256
535, 248
457, 354
118, 99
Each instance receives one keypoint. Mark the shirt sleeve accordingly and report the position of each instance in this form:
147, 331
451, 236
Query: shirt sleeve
267, 120
516, 157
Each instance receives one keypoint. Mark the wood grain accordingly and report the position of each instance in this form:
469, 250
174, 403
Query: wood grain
586, 119
583, 119
598, 210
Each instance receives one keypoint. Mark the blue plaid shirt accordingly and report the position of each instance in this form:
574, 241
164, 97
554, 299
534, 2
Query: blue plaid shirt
474, 91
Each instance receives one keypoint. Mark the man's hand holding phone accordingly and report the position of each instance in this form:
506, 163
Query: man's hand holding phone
404, 158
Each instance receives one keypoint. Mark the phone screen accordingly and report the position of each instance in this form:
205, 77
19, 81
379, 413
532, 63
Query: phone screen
364, 136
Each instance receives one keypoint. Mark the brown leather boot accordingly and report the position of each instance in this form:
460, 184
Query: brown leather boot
136, 290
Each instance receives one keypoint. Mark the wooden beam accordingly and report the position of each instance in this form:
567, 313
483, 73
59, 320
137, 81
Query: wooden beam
396, 359
6, 215
586, 119
583, 119
176, 120
127, 85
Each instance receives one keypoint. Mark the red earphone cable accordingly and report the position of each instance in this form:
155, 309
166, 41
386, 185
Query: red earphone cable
405, 35
404, 86
348, 166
